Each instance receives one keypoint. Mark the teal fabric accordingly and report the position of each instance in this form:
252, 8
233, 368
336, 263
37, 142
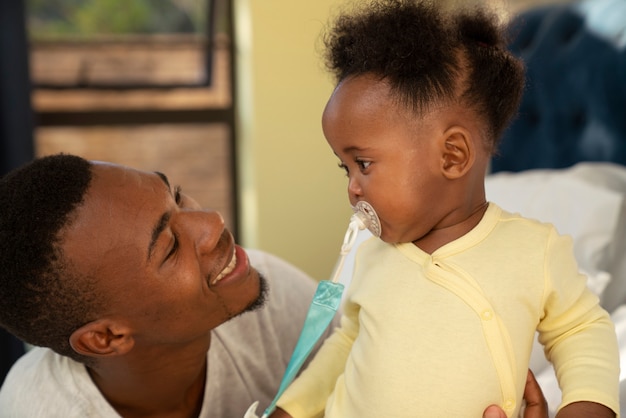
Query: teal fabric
325, 303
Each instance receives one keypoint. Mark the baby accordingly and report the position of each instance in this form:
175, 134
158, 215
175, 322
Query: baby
443, 307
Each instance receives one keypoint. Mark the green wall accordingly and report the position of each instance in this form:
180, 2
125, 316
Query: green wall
292, 195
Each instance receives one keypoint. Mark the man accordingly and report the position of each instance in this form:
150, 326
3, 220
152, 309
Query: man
140, 296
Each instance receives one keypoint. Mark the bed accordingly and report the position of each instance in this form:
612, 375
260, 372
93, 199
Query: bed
563, 160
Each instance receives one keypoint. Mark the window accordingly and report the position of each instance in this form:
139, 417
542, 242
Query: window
147, 83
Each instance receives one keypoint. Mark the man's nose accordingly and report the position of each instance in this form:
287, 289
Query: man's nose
207, 227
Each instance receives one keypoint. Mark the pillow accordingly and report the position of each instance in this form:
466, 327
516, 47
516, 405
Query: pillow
586, 201
597, 282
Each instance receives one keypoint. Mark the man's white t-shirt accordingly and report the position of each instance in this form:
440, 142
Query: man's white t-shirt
246, 361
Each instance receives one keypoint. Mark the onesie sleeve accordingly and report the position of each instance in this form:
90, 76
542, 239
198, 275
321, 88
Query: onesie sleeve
577, 333
307, 395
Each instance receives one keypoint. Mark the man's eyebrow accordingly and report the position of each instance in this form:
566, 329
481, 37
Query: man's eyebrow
164, 178
156, 231
162, 223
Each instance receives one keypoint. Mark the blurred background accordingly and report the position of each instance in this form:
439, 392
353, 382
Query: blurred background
224, 96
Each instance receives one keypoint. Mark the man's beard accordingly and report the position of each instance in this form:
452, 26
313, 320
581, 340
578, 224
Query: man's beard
259, 302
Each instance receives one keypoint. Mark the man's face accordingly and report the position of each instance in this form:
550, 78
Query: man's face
168, 270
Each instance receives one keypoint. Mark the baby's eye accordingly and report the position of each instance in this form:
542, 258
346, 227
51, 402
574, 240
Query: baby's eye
363, 165
344, 168
174, 249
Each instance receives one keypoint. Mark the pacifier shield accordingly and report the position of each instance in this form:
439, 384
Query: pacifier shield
368, 215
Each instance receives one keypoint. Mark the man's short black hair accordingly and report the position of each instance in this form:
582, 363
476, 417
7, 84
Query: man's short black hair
42, 301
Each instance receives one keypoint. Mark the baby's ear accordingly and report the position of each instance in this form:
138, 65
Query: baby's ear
458, 152
102, 337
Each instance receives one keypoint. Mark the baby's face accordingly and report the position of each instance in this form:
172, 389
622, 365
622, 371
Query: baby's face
393, 160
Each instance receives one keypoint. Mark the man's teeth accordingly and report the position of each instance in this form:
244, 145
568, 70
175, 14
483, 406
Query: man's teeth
230, 267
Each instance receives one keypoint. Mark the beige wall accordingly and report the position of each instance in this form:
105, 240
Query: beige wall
293, 200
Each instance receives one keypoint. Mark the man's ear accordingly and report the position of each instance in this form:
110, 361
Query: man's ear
103, 337
458, 152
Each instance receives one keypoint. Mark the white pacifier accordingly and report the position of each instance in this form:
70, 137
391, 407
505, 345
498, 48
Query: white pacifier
364, 212
364, 217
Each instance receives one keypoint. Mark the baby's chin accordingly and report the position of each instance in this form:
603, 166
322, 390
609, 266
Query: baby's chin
390, 238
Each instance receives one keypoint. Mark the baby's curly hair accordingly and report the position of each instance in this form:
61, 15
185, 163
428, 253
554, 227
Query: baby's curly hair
42, 301
430, 56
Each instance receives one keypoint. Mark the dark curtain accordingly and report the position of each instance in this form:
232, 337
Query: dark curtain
16, 122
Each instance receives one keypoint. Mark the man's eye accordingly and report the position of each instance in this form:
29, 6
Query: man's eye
173, 249
178, 194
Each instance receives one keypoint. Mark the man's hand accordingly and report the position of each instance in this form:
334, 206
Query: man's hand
536, 405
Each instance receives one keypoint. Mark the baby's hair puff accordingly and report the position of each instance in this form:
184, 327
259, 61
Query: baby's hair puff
430, 56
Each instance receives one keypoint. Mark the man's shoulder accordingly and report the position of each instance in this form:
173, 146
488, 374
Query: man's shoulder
43, 383
34, 381
41, 362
